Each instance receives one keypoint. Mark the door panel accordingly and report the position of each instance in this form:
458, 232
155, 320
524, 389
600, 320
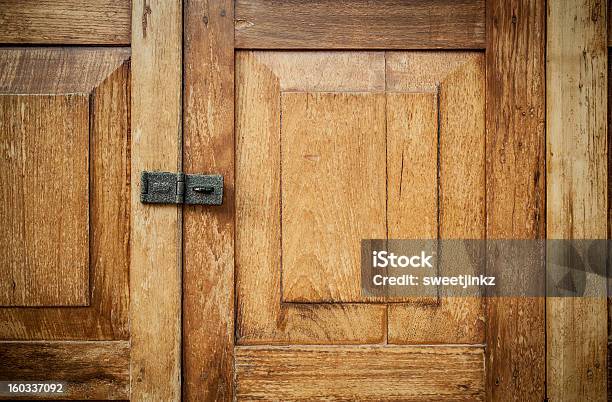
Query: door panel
343, 160
65, 139
359, 373
332, 172
44, 180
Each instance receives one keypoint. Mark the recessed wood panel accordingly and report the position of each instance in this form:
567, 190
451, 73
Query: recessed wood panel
360, 373
361, 24
106, 100
307, 146
262, 318
333, 187
62, 22
44, 179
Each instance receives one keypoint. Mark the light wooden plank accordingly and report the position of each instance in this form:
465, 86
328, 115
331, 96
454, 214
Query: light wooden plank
57, 70
65, 22
388, 24
208, 233
577, 203
261, 318
91, 370
360, 373
458, 81
155, 270
333, 191
44, 182
106, 317
515, 189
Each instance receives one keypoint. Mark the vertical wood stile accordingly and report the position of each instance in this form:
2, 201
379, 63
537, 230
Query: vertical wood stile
515, 355
208, 232
155, 275
577, 166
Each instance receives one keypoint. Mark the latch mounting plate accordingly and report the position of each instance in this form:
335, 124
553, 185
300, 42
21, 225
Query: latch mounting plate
180, 188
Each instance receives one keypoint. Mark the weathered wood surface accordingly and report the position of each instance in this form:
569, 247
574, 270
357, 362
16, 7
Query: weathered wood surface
155, 271
387, 24
63, 22
208, 232
456, 83
262, 318
577, 190
515, 153
91, 370
44, 187
360, 373
333, 151
57, 70
105, 80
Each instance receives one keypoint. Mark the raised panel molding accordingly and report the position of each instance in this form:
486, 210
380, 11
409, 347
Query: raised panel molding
99, 80
276, 92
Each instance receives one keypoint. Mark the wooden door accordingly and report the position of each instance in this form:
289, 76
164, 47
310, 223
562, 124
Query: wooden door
350, 146
89, 277
331, 122
65, 180
338, 121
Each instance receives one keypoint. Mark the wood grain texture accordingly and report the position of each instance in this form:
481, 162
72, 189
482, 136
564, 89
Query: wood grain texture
333, 190
261, 77
107, 315
363, 373
57, 70
609, 371
609, 23
155, 248
609, 191
208, 232
91, 370
412, 165
577, 187
44, 182
261, 317
457, 81
325, 71
515, 354
63, 22
388, 24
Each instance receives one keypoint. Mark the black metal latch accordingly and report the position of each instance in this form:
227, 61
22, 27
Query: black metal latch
181, 188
